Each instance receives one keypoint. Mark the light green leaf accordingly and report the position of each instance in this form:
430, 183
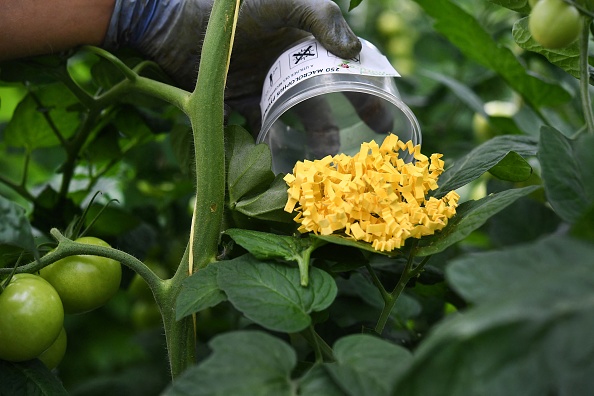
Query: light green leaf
241, 363
38, 116
270, 294
566, 58
567, 172
199, 291
469, 217
15, 229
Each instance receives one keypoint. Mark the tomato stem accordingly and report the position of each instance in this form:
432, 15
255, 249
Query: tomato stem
585, 74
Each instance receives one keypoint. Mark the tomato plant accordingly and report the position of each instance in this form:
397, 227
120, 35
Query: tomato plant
475, 308
554, 23
32, 317
84, 282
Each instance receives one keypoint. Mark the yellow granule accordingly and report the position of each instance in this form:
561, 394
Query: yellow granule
374, 196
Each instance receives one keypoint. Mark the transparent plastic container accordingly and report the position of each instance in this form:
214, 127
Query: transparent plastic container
315, 104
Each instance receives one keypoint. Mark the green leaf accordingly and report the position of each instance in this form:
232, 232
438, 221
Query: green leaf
466, 33
347, 241
242, 363
265, 246
199, 291
366, 365
533, 318
469, 217
38, 116
515, 5
15, 228
270, 294
483, 158
318, 382
354, 4
567, 172
268, 205
513, 167
566, 58
249, 164
30, 378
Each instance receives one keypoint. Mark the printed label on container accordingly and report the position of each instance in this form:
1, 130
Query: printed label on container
309, 59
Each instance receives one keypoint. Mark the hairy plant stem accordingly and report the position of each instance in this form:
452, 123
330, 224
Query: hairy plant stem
390, 299
585, 74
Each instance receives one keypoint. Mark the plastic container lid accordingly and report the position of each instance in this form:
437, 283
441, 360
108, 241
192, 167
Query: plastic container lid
316, 104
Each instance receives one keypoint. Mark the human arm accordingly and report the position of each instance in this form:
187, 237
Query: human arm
32, 27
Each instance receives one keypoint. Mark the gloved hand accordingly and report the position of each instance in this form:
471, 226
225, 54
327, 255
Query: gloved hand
170, 32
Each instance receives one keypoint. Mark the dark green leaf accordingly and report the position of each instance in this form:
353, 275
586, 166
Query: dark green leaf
265, 246
510, 227
30, 378
318, 382
268, 205
470, 216
512, 167
270, 294
249, 164
242, 363
15, 228
354, 3
199, 291
462, 91
566, 58
567, 172
366, 365
583, 228
483, 158
467, 34
346, 241
533, 319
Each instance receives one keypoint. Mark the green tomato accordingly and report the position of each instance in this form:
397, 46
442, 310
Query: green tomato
53, 355
390, 23
84, 282
532, 3
554, 23
481, 128
31, 317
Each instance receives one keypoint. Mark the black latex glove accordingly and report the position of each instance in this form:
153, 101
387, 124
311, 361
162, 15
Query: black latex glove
171, 33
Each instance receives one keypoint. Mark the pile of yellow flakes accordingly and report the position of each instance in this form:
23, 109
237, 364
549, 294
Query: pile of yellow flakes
374, 196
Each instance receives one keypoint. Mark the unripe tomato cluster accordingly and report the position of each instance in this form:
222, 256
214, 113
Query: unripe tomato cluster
554, 24
32, 307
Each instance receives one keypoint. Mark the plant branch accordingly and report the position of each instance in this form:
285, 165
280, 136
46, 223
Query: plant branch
406, 275
585, 75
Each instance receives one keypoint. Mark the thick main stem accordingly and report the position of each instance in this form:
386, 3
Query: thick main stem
205, 108
206, 112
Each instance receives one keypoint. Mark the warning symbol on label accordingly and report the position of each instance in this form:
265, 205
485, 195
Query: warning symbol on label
274, 74
304, 54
